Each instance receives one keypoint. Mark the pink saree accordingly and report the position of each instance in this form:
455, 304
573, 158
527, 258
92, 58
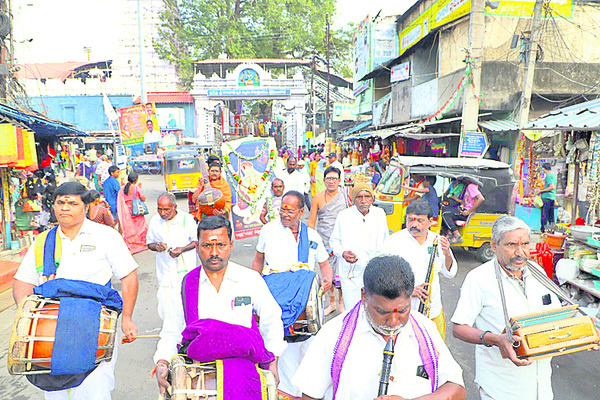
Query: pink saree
134, 227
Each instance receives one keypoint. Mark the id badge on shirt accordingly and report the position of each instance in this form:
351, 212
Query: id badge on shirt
241, 309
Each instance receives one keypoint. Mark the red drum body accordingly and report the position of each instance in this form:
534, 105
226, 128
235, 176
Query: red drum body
33, 334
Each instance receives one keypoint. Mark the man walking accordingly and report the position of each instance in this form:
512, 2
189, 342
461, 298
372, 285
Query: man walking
272, 204
326, 207
88, 253
172, 235
415, 244
358, 235
111, 190
291, 177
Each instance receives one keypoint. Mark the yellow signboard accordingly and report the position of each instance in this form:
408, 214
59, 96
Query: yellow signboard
444, 11
416, 31
524, 8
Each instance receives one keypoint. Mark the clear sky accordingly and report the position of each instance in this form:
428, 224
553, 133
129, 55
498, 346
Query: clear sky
356, 10
76, 24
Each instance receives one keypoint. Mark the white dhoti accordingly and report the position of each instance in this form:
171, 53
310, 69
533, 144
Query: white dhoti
97, 385
287, 365
351, 290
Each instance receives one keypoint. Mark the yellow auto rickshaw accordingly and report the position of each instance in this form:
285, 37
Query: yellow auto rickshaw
181, 170
494, 179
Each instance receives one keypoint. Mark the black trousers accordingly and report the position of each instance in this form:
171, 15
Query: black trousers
547, 213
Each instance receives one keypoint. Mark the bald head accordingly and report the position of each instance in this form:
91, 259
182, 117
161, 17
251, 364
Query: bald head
166, 206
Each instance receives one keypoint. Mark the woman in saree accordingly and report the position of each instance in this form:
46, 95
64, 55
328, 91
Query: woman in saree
99, 210
134, 227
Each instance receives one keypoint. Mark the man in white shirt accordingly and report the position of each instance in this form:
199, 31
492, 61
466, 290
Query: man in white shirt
345, 360
173, 236
358, 235
303, 169
102, 169
333, 162
479, 317
415, 244
272, 204
151, 137
92, 253
220, 283
278, 251
291, 177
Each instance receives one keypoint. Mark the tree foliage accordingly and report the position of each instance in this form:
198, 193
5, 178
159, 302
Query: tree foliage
192, 30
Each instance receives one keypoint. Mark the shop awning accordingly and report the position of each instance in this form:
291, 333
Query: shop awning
580, 117
424, 136
499, 125
41, 126
357, 128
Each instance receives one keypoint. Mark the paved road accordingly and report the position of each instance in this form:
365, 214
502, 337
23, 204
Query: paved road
575, 376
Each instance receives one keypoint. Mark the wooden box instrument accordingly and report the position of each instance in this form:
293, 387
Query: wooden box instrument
553, 332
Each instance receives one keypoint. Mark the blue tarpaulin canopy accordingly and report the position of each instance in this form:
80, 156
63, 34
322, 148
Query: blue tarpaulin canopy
41, 126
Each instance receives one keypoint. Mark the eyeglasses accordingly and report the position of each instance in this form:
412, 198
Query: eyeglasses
331, 179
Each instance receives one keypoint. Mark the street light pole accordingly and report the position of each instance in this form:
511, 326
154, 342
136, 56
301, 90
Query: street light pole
143, 95
327, 128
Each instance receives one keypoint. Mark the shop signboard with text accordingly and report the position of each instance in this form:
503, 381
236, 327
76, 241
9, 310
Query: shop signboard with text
473, 144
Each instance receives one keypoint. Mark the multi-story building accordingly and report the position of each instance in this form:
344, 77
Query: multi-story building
431, 73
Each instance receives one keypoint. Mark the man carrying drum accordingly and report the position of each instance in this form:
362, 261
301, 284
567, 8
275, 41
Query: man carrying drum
415, 244
286, 254
220, 293
89, 252
346, 358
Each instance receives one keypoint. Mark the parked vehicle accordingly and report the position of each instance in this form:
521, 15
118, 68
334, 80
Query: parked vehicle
495, 181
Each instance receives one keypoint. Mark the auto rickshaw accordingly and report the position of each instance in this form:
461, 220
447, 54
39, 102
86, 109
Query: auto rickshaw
181, 170
495, 181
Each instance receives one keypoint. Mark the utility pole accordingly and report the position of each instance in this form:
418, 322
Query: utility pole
530, 59
313, 107
143, 94
470, 111
327, 129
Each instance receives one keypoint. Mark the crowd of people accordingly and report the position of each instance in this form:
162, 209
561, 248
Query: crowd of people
385, 286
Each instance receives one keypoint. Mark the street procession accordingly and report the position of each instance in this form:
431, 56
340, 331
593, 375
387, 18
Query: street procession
291, 200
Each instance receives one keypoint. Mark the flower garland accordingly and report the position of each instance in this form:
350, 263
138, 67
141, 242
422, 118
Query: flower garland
234, 177
242, 157
467, 78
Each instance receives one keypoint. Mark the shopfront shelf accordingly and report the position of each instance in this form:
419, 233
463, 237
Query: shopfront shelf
586, 285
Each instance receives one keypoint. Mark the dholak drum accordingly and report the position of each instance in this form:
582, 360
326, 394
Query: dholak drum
310, 321
33, 333
200, 380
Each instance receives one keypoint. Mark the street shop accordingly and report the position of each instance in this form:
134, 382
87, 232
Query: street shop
28, 150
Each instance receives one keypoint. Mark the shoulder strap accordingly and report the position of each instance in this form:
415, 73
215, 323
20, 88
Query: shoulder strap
428, 353
303, 245
189, 295
342, 345
48, 251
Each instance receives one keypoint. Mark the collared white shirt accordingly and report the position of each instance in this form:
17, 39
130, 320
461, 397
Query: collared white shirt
359, 379
364, 235
280, 248
403, 244
177, 232
96, 254
238, 281
479, 305
293, 181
